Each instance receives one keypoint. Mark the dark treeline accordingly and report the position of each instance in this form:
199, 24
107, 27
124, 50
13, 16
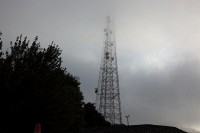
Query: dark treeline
34, 88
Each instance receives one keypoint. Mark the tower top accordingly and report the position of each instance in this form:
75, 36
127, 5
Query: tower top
108, 19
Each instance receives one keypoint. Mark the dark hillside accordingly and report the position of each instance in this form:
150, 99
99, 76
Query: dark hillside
135, 129
154, 129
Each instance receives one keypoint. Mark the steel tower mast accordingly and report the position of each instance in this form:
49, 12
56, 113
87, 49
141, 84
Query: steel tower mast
108, 93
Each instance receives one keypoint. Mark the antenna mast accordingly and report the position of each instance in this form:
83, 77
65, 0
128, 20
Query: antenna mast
108, 92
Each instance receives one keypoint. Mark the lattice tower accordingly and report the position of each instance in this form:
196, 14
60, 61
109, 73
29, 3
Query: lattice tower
108, 92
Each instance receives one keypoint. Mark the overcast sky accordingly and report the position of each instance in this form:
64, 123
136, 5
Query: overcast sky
158, 44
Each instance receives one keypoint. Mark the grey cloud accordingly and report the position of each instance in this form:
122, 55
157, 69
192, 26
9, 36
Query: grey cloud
168, 99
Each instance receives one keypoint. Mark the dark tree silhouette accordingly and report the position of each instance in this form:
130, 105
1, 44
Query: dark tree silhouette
93, 118
35, 88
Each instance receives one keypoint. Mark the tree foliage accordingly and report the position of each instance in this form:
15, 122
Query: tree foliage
93, 118
35, 88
